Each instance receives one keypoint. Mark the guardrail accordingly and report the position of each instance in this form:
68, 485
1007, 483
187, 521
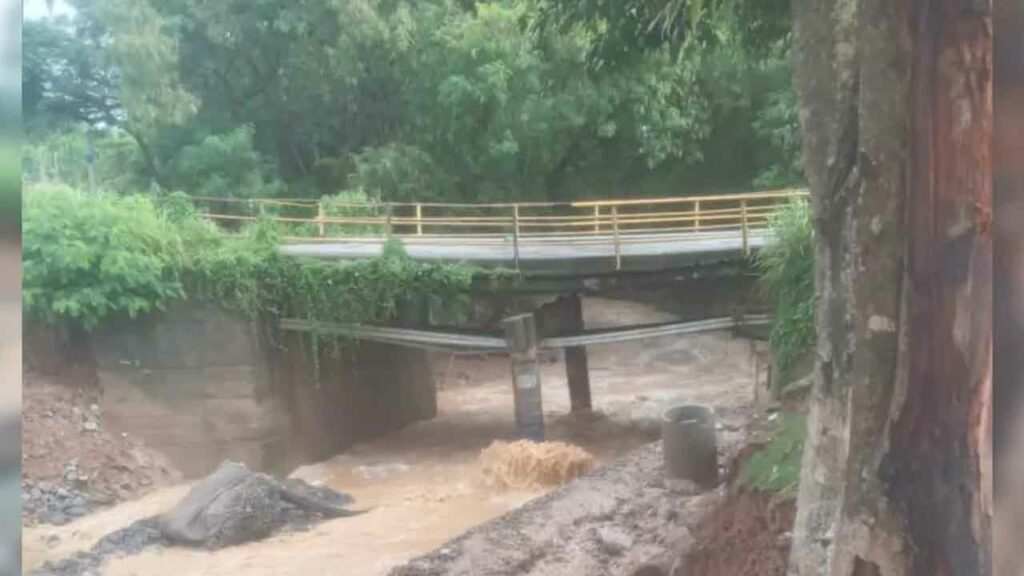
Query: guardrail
601, 221
447, 341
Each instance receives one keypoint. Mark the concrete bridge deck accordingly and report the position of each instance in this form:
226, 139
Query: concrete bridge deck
565, 254
567, 238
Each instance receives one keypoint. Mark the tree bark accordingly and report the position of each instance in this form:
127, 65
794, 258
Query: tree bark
147, 156
896, 473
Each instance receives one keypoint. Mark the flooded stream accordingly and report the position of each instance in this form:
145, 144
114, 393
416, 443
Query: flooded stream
422, 485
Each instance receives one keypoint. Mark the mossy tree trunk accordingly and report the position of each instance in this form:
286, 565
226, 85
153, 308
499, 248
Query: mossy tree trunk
895, 110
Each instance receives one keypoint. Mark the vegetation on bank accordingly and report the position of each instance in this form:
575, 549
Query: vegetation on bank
786, 264
775, 467
87, 258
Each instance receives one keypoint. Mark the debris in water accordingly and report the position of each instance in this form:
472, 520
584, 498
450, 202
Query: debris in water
381, 471
526, 465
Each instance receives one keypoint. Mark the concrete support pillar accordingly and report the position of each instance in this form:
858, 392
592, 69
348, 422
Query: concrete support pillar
576, 370
521, 336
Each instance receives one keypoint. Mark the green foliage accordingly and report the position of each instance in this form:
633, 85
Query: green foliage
398, 173
430, 100
786, 264
88, 258
775, 467
222, 166
627, 29
777, 126
61, 157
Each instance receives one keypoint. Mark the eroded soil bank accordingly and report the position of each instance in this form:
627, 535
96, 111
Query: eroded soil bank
424, 485
626, 518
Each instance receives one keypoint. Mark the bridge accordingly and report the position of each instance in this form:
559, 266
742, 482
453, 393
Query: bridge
578, 238
575, 241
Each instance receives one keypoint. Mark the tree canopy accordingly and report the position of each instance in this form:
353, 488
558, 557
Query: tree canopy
403, 100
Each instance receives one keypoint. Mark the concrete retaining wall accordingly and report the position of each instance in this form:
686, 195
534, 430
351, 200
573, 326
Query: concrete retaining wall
358, 391
194, 382
203, 385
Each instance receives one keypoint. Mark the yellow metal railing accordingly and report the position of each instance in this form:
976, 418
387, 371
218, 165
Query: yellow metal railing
590, 221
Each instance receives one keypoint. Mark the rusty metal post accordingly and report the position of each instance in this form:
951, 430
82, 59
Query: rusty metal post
515, 235
615, 237
521, 337
743, 225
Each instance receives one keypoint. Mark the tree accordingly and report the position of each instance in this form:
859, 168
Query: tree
896, 475
897, 469
107, 68
434, 99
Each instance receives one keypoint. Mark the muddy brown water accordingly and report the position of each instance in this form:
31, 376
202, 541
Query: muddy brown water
423, 484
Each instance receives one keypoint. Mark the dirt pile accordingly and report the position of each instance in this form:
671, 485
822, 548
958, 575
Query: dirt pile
72, 464
526, 465
749, 534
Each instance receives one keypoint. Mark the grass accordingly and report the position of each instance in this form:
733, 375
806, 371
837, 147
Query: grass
775, 467
787, 277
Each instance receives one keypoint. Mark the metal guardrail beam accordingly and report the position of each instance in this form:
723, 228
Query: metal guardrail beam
446, 340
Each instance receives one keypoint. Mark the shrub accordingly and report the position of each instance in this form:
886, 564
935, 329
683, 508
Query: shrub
787, 277
89, 257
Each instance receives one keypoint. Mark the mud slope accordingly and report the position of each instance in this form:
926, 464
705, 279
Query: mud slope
618, 520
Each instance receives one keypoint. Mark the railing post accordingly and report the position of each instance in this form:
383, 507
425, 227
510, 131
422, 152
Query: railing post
387, 230
597, 219
743, 226
320, 218
419, 219
696, 214
615, 237
515, 234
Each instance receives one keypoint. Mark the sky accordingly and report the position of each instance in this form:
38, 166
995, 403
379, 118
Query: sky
36, 9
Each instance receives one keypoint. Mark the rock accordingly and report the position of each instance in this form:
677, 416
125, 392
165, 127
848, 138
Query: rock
76, 511
55, 517
614, 540
230, 506
649, 570
682, 486
235, 505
